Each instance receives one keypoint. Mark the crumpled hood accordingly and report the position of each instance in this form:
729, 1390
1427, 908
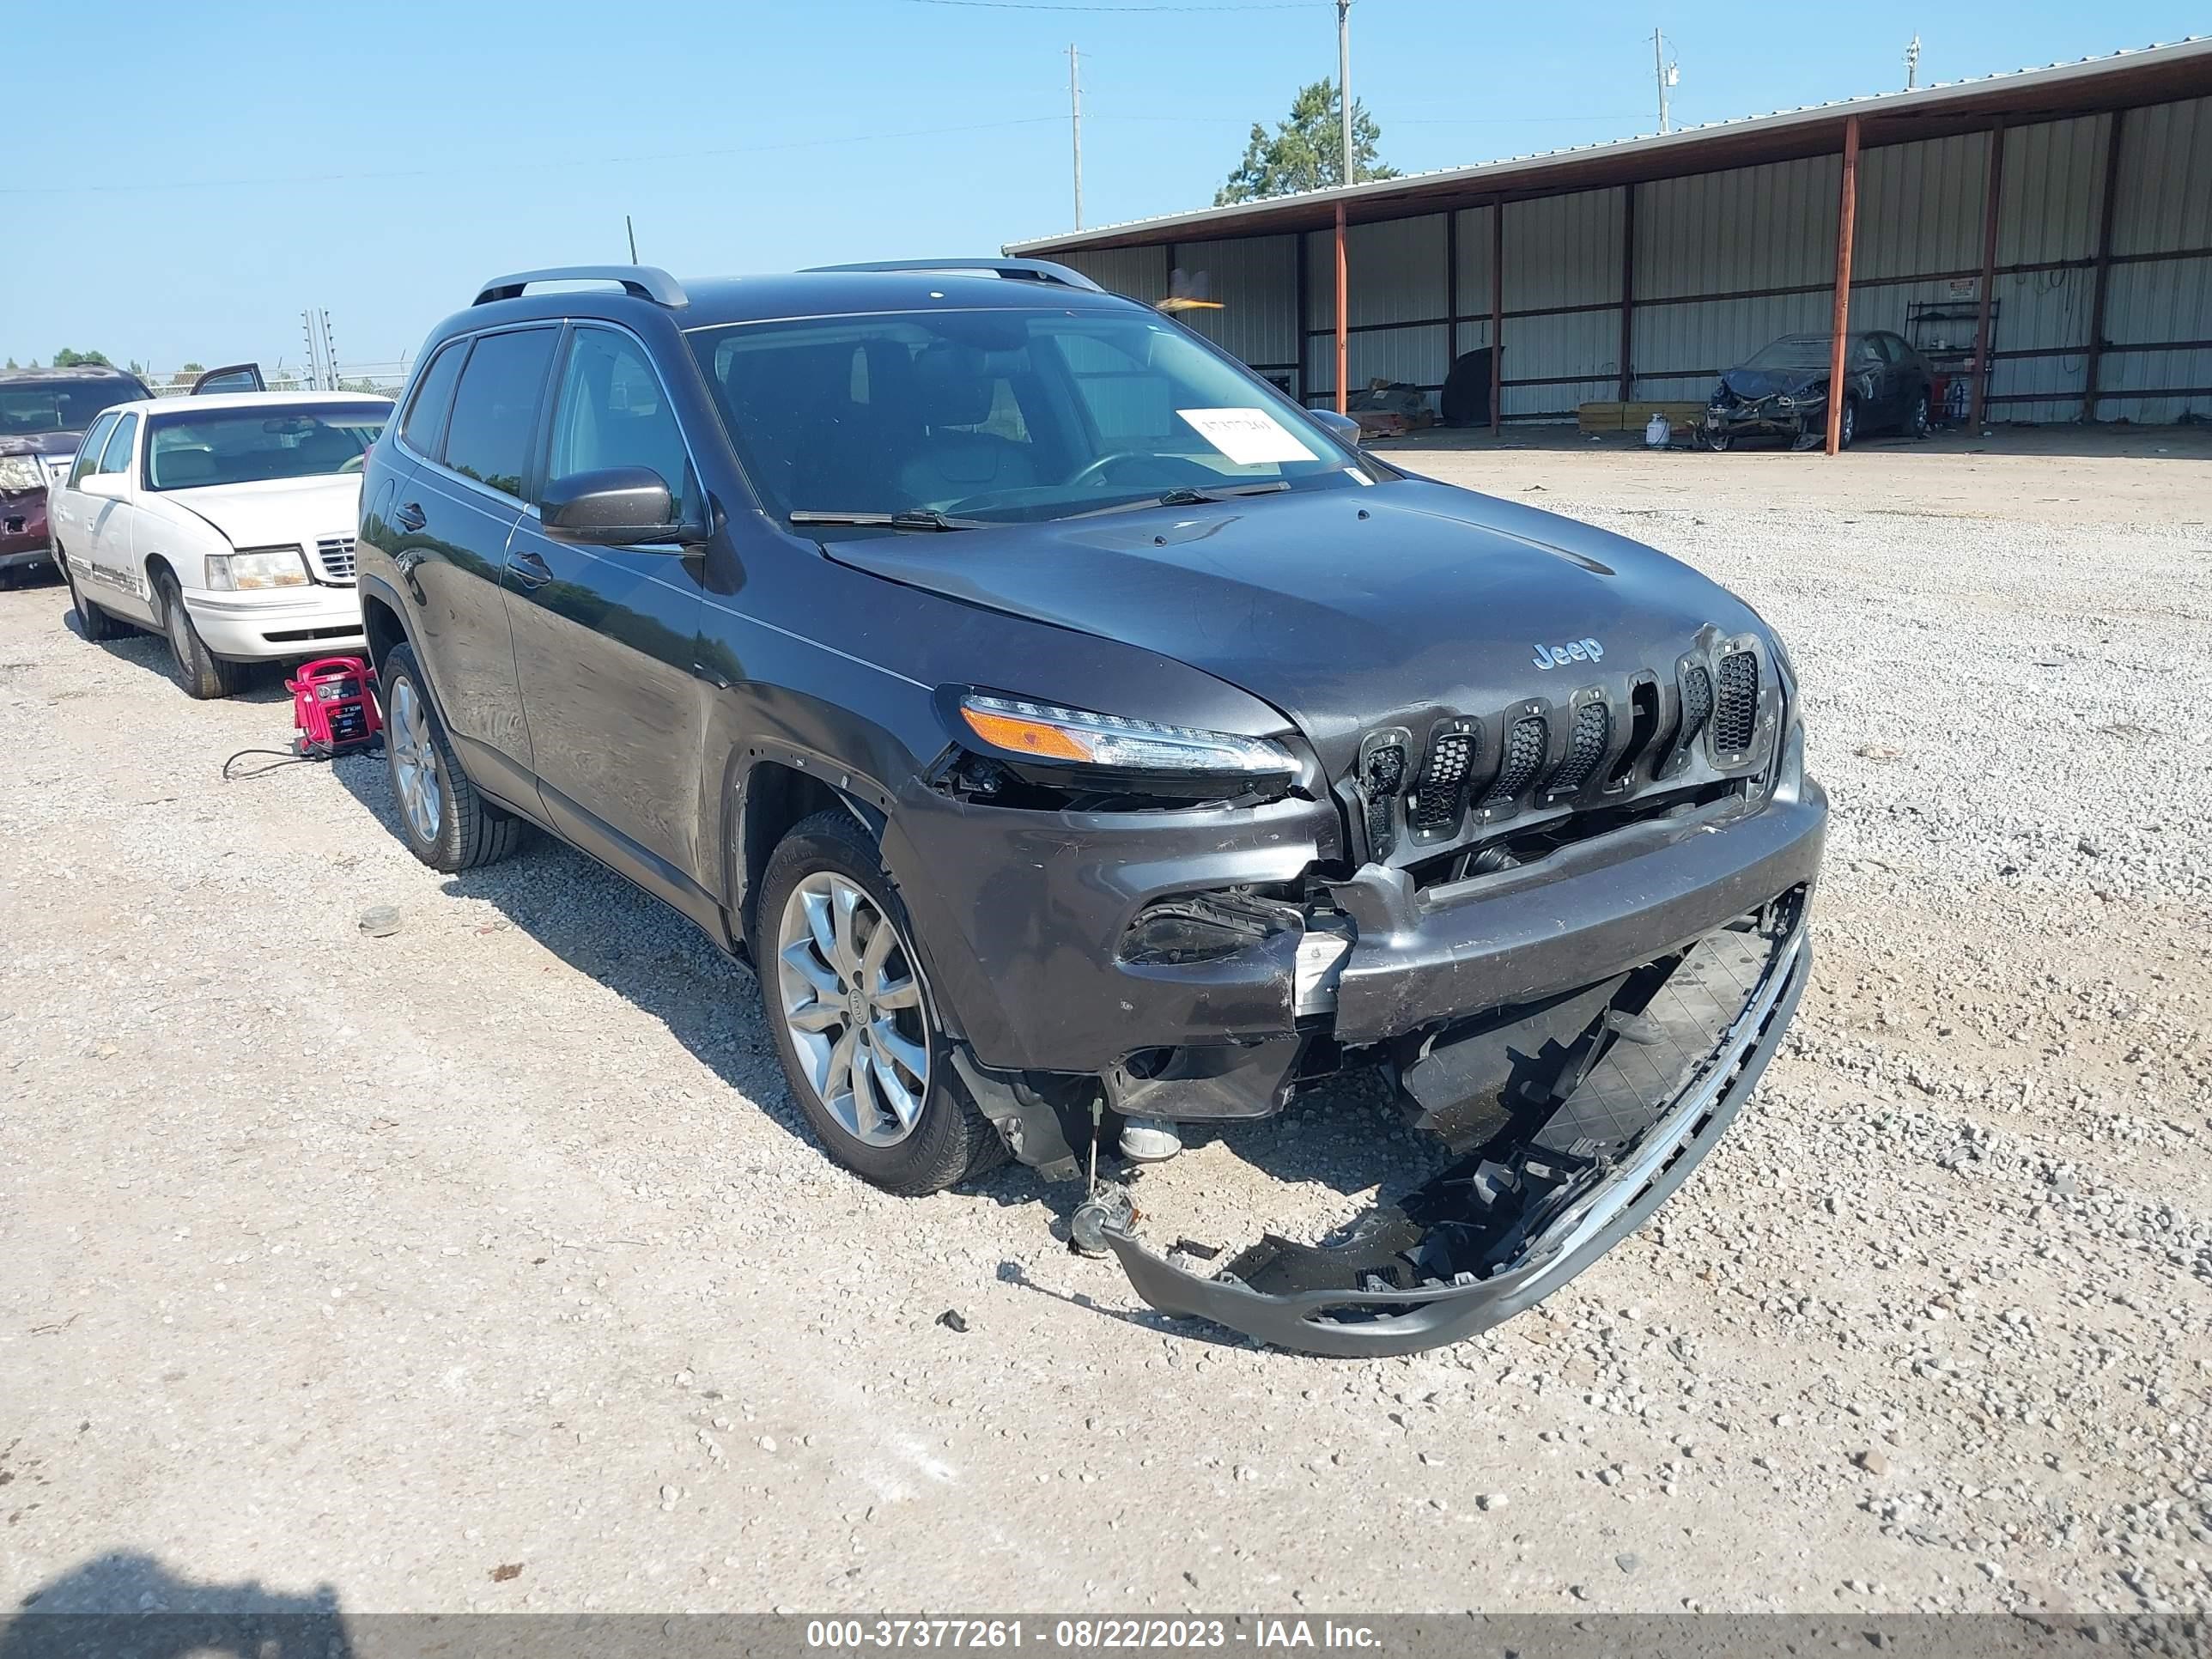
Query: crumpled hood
1345, 608
278, 512
1753, 384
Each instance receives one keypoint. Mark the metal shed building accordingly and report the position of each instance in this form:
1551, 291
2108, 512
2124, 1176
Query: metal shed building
2056, 221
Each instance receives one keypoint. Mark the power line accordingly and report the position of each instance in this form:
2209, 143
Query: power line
1041, 5
527, 166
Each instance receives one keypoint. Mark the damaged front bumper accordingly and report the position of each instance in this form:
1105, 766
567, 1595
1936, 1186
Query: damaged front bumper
1509, 1223
1777, 416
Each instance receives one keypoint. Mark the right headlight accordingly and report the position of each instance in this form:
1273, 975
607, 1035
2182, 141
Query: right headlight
21, 472
1046, 733
251, 568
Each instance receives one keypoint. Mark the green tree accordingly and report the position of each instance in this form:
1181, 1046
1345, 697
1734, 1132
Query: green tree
11, 362
1306, 152
67, 359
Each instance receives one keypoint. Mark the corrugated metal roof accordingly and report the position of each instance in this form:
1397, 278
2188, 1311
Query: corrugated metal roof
2176, 70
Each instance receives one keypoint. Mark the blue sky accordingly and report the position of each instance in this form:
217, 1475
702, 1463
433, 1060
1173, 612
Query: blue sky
218, 165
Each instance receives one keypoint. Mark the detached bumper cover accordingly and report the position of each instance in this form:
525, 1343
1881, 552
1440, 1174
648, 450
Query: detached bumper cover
1598, 1211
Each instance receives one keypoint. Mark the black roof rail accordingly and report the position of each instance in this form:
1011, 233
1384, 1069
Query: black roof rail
642, 282
1028, 270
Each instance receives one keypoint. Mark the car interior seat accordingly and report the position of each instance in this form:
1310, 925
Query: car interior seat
955, 394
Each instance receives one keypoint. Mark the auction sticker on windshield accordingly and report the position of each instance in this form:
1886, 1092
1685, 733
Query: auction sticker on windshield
1249, 437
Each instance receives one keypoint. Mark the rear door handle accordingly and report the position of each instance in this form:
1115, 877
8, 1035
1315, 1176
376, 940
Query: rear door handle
529, 570
411, 517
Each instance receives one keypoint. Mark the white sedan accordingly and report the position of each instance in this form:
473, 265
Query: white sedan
225, 523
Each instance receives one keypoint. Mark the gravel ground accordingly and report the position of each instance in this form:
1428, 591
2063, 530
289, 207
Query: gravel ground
488, 1265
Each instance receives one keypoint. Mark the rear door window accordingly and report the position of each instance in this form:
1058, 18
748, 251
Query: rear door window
116, 458
495, 415
434, 396
88, 454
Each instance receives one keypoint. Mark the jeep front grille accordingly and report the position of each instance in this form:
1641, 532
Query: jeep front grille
1382, 774
1585, 747
1524, 752
1697, 703
1737, 716
1440, 801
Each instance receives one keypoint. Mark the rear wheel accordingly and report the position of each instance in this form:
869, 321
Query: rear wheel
1919, 423
442, 819
92, 621
201, 673
853, 1024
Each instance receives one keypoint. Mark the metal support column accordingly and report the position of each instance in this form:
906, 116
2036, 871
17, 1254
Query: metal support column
1343, 310
1497, 317
1992, 193
2104, 267
1627, 288
1304, 285
1847, 211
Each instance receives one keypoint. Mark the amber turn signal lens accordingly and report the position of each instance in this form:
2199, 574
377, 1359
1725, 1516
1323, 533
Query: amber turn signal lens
1022, 736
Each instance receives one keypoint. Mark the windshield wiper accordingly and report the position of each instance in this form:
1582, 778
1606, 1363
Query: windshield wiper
1186, 496
913, 518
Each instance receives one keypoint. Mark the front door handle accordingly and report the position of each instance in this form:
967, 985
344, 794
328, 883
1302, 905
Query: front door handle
411, 517
529, 570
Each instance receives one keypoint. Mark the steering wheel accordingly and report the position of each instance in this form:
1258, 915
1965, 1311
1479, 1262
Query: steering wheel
1097, 468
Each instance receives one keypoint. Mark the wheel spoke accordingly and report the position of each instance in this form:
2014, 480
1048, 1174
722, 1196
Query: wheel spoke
867, 1110
817, 1016
905, 1104
801, 959
819, 925
845, 901
878, 950
897, 993
837, 1077
891, 1046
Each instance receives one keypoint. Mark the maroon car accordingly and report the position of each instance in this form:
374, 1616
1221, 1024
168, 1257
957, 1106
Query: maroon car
44, 413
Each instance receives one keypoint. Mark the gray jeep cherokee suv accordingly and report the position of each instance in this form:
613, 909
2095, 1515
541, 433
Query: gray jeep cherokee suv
1081, 740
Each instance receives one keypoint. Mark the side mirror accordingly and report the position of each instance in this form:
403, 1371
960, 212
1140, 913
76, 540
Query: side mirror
106, 485
616, 507
1340, 427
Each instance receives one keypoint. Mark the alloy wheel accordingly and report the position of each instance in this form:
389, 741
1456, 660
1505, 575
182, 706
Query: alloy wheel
852, 1008
414, 764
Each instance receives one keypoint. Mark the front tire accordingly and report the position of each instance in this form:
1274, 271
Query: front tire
95, 625
1920, 424
442, 819
1850, 429
201, 674
854, 1026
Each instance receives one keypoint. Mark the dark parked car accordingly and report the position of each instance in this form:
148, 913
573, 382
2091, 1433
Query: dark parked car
1784, 392
43, 414
1079, 737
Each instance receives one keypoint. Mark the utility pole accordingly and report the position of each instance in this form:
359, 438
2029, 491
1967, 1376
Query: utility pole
1344, 84
1075, 126
329, 350
314, 357
631, 230
1912, 63
1667, 75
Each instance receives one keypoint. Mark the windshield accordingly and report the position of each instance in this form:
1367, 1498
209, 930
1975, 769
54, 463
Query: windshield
29, 408
1796, 351
1002, 416
249, 446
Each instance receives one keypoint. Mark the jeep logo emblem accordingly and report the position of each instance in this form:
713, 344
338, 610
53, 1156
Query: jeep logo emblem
1550, 656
